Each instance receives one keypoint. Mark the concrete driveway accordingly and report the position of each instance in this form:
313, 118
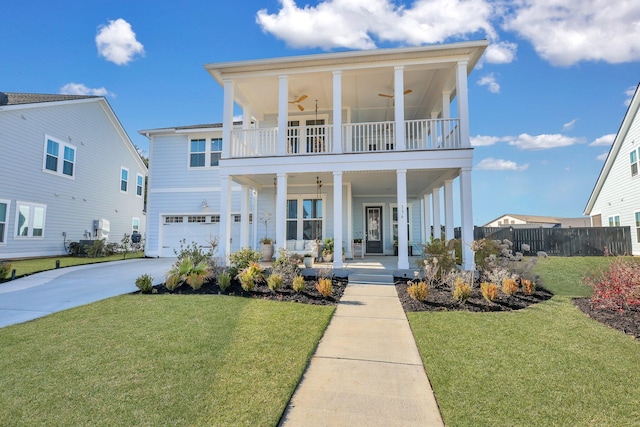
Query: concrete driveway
44, 293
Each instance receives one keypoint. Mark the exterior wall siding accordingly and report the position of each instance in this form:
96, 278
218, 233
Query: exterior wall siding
71, 204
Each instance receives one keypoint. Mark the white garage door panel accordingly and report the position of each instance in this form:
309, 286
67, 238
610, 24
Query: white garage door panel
201, 233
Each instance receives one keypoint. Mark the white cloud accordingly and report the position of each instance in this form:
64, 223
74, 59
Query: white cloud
602, 157
80, 89
603, 141
485, 140
501, 53
357, 24
569, 125
567, 32
629, 93
500, 165
542, 142
117, 42
490, 81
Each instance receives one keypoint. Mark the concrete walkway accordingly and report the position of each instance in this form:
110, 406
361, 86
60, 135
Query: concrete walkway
366, 370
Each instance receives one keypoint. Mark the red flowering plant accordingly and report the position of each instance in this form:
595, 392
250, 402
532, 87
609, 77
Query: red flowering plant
616, 287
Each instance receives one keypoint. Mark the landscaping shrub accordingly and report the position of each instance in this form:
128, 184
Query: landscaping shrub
5, 269
484, 251
324, 286
274, 282
224, 281
442, 252
617, 286
186, 271
250, 275
242, 258
298, 284
286, 266
145, 283
489, 291
198, 275
528, 286
418, 290
197, 254
96, 249
509, 285
461, 290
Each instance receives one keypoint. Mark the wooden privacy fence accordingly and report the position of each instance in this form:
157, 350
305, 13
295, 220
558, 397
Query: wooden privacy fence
578, 241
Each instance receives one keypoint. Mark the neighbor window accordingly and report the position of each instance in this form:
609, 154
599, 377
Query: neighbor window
216, 151
4, 214
30, 219
124, 179
52, 161
139, 184
633, 159
614, 221
637, 218
197, 154
135, 224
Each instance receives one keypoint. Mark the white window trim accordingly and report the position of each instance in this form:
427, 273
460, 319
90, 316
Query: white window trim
138, 175
207, 153
635, 225
614, 220
30, 225
409, 222
6, 221
133, 220
60, 164
637, 162
122, 168
300, 219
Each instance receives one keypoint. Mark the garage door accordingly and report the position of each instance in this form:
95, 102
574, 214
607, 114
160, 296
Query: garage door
191, 228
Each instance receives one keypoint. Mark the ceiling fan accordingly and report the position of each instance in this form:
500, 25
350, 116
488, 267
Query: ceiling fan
406, 92
298, 101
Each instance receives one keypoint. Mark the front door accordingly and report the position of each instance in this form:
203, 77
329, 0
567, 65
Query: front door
374, 230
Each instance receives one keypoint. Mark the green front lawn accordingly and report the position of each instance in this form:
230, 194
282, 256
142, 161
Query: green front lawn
547, 365
35, 265
158, 360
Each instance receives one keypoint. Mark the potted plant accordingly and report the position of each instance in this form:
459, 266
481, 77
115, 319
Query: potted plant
327, 250
308, 260
266, 248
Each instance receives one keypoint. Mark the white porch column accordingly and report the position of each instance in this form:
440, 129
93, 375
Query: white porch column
398, 92
463, 103
337, 111
254, 205
349, 221
427, 218
446, 104
435, 199
403, 239
283, 114
448, 210
244, 216
337, 220
224, 245
281, 211
467, 219
246, 118
227, 118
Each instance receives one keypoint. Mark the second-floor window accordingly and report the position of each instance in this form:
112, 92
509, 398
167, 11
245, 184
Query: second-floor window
124, 179
216, 151
139, 184
633, 159
200, 152
59, 157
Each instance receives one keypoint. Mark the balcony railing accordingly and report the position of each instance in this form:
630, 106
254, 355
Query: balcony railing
434, 134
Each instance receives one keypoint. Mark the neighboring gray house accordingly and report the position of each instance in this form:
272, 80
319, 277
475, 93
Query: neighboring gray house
69, 173
615, 199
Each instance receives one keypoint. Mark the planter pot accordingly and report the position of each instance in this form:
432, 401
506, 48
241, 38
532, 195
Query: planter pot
266, 249
327, 258
308, 262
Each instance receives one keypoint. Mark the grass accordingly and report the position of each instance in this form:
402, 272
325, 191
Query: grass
546, 365
158, 360
24, 267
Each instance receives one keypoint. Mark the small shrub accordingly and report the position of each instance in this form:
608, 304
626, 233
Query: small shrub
111, 248
249, 276
484, 251
5, 269
224, 281
96, 249
145, 283
461, 291
286, 266
274, 282
489, 291
509, 285
324, 286
442, 252
528, 286
75, 249
198, 275
298, 284
418, 290
616, 287
244, 257
178, 273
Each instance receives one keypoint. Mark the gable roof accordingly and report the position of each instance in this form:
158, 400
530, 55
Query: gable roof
537, 219
18, 98
615, 148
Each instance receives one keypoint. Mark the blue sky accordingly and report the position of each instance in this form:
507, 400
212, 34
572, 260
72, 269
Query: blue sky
545, 102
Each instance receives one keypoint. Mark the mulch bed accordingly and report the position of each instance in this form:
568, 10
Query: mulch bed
440, 298
627, 321
308, 296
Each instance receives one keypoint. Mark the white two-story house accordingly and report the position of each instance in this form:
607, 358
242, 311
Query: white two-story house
69, 173
350, 145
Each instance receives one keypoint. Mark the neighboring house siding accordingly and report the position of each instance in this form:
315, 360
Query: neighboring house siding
71, 203
620, 193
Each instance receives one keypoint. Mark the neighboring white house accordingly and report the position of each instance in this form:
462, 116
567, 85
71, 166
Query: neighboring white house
516, 220
350, 145
70, 173
615, 199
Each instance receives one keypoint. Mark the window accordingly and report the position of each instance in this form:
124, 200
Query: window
292, 219
614, 221
173, 219
53, 149
215, 219
197, 218
139, 184
304, 219
30, 219
124, 179
637, 218
197, 153
394, 222
135, 224
4, 214
237, 218
633, 159
216, 151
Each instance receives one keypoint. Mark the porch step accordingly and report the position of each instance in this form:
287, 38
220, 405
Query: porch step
371, 279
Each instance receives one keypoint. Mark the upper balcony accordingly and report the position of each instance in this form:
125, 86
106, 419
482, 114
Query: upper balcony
431, 134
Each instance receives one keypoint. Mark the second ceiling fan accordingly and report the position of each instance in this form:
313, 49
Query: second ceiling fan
406, 92
298, 101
